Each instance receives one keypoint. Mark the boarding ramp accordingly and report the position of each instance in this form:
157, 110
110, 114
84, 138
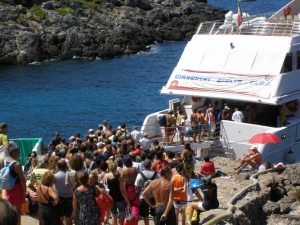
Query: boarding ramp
238, 135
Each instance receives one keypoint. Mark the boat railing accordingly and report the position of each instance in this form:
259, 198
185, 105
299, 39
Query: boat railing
264, 28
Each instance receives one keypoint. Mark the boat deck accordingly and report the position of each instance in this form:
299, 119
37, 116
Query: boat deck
266, 27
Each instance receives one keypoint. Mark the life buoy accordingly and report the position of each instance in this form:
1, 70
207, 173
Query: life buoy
292, 106
196, 99
287, 11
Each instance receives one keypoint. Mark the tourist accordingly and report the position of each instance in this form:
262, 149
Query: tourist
179, 184
94, 181
116, 186
3, 140
8, 214
211, 121
56, 140
88, 164
225, 113
84, 204
208, 168
64, 186
129, 174
16, 195
195, 125
203, 124
252, 158
162, 191
35, 180
136, 134
180, 123
137, 149
104, 124
209, 201
141, 182
170, 127
122, 132
187, 156
145, 144
237, 116
48, 200
109, 133
159, 162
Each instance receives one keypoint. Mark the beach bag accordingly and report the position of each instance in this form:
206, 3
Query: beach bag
7, 182
130, 219
105, 203
196, 183
195, 217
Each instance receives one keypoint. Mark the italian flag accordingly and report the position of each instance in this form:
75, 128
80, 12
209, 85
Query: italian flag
240, 15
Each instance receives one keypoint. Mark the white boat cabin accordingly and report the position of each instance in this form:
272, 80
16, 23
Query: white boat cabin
254, 66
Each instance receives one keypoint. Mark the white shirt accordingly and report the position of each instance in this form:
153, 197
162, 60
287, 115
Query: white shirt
145, 143
237, 116
136, 135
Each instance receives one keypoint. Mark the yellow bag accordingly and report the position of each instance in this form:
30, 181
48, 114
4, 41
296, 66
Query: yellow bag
195, 216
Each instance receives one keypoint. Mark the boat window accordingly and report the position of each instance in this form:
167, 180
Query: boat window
287, 65
298, 59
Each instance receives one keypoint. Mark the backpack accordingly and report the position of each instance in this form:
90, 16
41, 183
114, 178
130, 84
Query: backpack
7, 182
162, 121
146, 180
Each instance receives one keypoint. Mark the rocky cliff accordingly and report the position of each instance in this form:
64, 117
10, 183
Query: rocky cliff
45, 30
275, 200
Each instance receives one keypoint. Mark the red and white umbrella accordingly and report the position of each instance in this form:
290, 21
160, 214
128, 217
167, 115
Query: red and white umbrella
264, 138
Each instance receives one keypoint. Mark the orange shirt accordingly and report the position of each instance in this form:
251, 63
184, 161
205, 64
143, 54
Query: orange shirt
178, 182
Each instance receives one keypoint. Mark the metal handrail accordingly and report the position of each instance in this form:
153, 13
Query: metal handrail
268, 28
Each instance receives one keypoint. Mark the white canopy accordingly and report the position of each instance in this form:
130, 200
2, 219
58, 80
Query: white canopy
242, 67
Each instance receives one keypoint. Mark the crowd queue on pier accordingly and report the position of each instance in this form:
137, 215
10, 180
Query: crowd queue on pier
108, 176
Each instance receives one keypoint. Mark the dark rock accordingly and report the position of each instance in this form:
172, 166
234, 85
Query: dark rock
52, 5
142, 4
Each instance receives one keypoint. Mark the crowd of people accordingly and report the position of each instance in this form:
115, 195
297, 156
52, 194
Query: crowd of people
109, 176
203, 122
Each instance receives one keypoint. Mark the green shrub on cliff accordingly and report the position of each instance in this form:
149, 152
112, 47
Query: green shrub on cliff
92, 4
39, 12
65, 10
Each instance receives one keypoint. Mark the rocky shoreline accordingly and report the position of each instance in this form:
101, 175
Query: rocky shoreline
275, 200
87, 28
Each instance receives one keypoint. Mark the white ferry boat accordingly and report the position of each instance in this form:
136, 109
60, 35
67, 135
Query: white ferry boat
252, 63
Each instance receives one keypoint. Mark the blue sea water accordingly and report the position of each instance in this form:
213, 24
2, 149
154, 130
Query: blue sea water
74, 95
